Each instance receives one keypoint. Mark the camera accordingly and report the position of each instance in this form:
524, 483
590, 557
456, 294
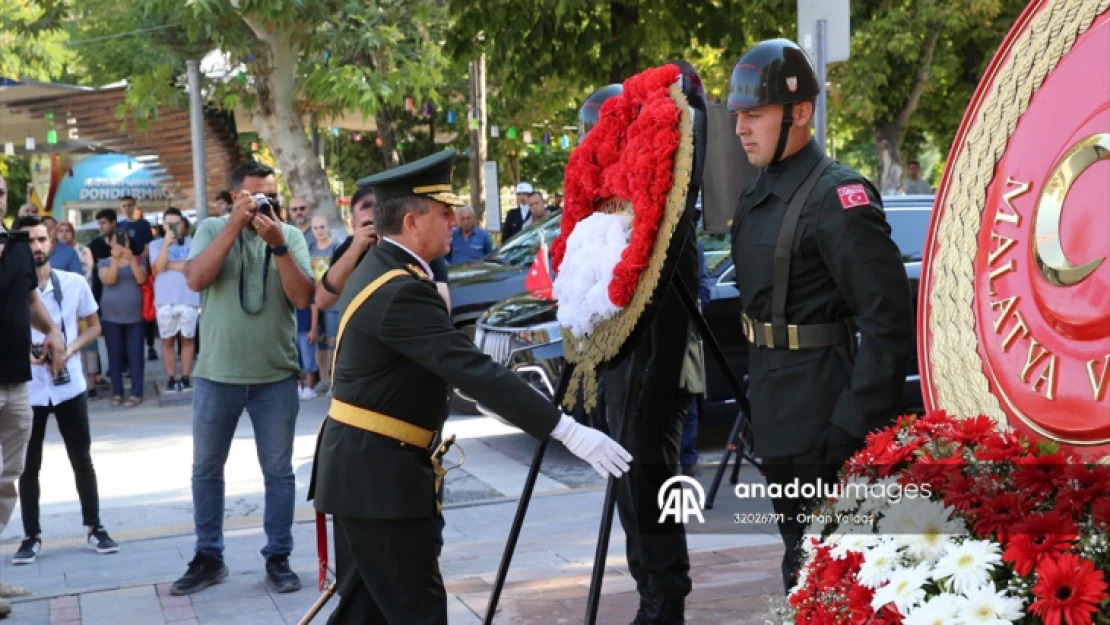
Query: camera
62, 378
17, 236
264, 204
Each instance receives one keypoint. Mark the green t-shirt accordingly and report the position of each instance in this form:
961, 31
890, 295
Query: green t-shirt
238, 347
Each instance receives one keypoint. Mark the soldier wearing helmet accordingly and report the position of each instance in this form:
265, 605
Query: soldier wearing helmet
825, 296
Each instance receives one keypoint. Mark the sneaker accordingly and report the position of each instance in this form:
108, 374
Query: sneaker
28, 550
151, 354
203, 571
101, 542
307, 394
183, 384
171, 385
280, 575
8, 591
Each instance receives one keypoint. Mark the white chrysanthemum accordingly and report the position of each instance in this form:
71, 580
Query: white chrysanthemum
939, 610
878, 563
905, 589
582, 287
987, 606
925, 528
969, 564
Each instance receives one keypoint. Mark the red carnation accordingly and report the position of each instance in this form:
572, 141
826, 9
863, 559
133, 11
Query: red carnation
1068, 590
1038, 538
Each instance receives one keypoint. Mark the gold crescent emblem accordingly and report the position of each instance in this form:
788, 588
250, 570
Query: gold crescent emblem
1047, 249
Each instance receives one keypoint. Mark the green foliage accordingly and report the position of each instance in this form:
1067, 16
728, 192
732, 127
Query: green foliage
16, 171
32, 43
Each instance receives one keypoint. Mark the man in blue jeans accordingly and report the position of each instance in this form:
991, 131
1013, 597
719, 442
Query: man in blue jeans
254, 272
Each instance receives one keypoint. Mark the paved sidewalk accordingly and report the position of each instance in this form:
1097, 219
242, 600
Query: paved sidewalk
547, 583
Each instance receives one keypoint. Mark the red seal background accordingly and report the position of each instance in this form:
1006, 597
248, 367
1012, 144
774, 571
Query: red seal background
1072, 323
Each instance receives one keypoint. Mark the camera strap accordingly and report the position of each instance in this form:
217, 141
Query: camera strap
242, 277
57, 285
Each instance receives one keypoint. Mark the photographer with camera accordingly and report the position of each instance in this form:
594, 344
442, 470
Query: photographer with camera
69, 300
20, 307
254, 271
177, 304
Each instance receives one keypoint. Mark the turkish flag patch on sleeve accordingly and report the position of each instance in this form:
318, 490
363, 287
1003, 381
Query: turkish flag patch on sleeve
852, 195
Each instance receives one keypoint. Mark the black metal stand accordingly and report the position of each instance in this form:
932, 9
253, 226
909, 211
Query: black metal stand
522, 507
736, 442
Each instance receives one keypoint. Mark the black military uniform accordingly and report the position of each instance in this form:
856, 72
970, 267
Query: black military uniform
396, 353
825, 296
645, 400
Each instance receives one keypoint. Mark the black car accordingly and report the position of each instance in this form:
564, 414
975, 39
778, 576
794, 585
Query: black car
523, 333
479, 284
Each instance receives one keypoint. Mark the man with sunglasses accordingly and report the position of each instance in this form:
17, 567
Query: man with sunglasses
255, 273
298, 216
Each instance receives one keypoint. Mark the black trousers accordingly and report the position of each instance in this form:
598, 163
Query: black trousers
805, 469
388, 573
657, 555
73, 424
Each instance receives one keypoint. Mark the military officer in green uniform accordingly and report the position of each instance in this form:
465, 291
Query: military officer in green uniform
825, 296
396, 353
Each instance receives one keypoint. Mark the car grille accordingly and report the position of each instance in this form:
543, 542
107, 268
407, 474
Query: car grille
496, 344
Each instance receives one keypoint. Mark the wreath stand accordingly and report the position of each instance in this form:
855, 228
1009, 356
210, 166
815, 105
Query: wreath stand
736, 443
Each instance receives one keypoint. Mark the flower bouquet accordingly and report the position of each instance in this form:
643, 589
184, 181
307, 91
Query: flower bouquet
942, 521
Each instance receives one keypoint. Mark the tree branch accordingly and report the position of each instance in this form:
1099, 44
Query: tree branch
921, 78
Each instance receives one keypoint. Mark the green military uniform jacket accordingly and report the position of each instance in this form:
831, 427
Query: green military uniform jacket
844, 265
398, 354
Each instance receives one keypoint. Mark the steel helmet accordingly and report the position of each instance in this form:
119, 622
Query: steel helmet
591, 108
776, 71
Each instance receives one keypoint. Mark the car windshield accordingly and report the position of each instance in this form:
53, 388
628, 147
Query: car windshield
909, 228
521, 249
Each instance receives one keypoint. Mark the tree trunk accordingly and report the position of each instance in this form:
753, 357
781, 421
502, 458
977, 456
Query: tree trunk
478, 138
384, 120
624, 20
888, 133
280, 125
888, 141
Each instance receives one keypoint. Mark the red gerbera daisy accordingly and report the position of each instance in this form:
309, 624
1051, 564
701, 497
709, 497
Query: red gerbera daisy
999, 515
1039, 474
1000, 447
974, 430
1037, 539
1068, 590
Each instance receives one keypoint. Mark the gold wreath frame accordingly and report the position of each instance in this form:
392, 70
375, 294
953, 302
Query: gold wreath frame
607, 338
952, 363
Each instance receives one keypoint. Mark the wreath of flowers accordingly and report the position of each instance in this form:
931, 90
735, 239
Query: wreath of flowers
1009, 531
641, 152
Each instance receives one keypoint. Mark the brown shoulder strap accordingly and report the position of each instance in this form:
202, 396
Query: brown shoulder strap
781, 272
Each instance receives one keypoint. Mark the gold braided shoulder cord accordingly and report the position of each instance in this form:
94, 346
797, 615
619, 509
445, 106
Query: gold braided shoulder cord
957, 370
607, 337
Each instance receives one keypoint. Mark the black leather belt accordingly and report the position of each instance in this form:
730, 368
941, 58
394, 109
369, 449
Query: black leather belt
797, 337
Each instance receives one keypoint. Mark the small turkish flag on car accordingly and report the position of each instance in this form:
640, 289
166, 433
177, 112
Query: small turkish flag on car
538, 282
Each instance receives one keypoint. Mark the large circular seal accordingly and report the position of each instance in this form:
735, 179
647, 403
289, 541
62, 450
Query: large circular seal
1015, 315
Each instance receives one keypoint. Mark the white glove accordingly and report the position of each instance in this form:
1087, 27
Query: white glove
603, 453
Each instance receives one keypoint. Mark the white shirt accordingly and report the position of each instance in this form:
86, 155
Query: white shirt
77, 302
426, 266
